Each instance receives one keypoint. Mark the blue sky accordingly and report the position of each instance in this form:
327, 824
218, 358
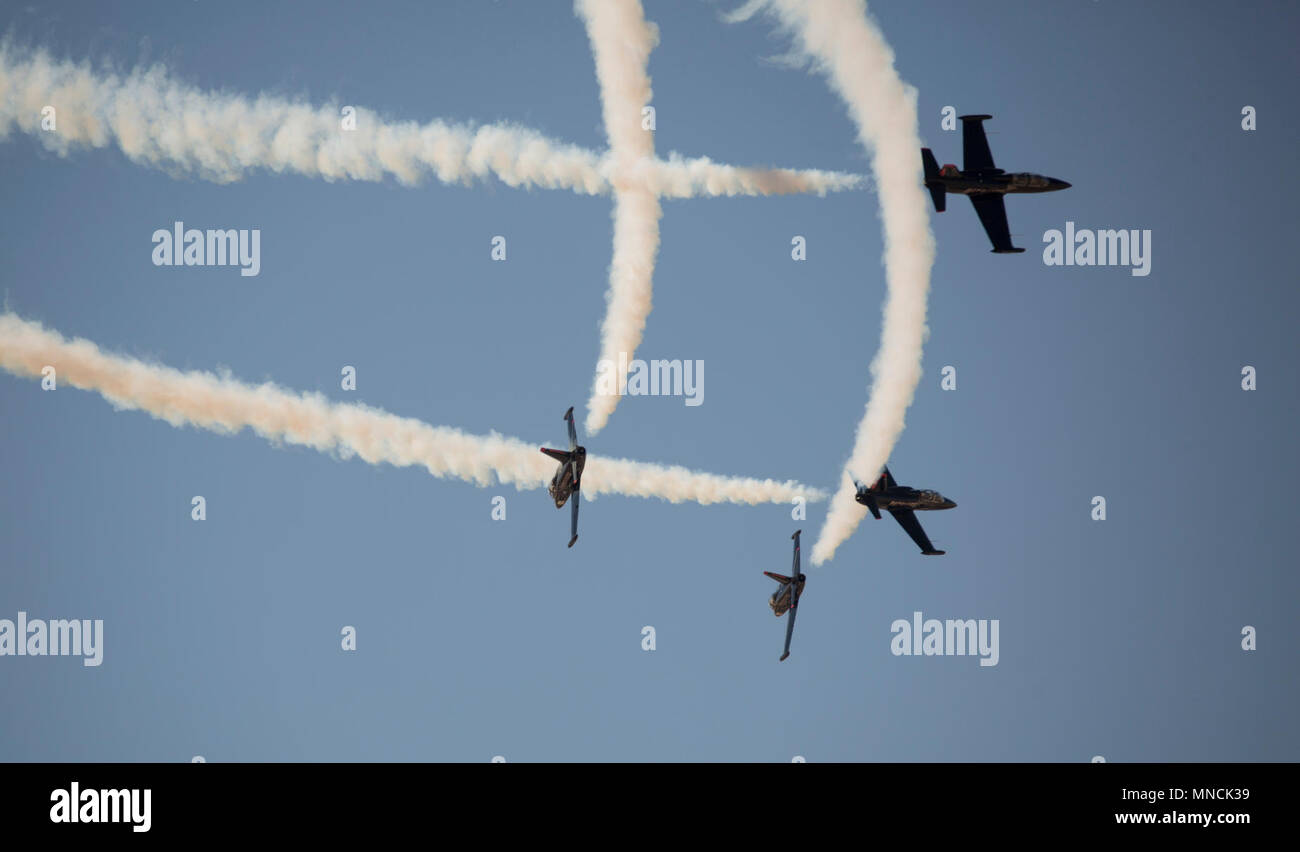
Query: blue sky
478, 637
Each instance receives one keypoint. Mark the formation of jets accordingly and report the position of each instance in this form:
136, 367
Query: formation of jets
985, 185
899, 500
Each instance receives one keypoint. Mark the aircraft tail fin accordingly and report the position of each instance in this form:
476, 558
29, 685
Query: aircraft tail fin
866, 496
937, 193
558, 455
780, 578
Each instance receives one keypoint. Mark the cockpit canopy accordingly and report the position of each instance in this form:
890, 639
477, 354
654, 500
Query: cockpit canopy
950, 171
1029, 180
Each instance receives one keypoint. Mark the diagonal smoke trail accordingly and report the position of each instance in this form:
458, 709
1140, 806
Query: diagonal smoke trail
225, 405
621, 40
158, 121
849, 48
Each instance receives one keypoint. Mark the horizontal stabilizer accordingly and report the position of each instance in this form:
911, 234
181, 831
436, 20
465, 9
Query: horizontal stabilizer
939, 196
866, 496
778, 577
558, 455
930, 163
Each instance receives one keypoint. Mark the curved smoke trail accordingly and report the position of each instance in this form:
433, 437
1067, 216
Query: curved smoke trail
848, 47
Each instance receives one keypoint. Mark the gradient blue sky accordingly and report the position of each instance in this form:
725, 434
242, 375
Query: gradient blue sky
478, 637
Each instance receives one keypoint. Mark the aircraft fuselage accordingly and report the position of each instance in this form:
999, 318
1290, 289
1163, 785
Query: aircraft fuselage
918, 500
780, 600
981, 183
566, 475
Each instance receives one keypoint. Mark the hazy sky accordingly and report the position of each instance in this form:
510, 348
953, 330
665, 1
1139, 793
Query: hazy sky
479, 637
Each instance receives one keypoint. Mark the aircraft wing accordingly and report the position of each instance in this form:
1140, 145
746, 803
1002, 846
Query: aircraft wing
907, 520
993, 216
975, 153
573, 524
789, 624
573, 432
794, 596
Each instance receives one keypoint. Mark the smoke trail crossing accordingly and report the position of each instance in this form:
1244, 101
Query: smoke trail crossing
220, 403
621, 41
849, 48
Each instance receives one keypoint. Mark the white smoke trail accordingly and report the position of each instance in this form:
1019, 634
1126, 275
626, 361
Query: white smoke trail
225, 405
158, 121
621, 40
696, 177
849, 48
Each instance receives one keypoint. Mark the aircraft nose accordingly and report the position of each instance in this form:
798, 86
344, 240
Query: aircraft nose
949, 504
1059, 184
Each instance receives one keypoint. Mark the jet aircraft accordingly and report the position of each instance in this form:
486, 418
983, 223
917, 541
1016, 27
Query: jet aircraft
568, 476
983, 182
787, 596
903, 503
